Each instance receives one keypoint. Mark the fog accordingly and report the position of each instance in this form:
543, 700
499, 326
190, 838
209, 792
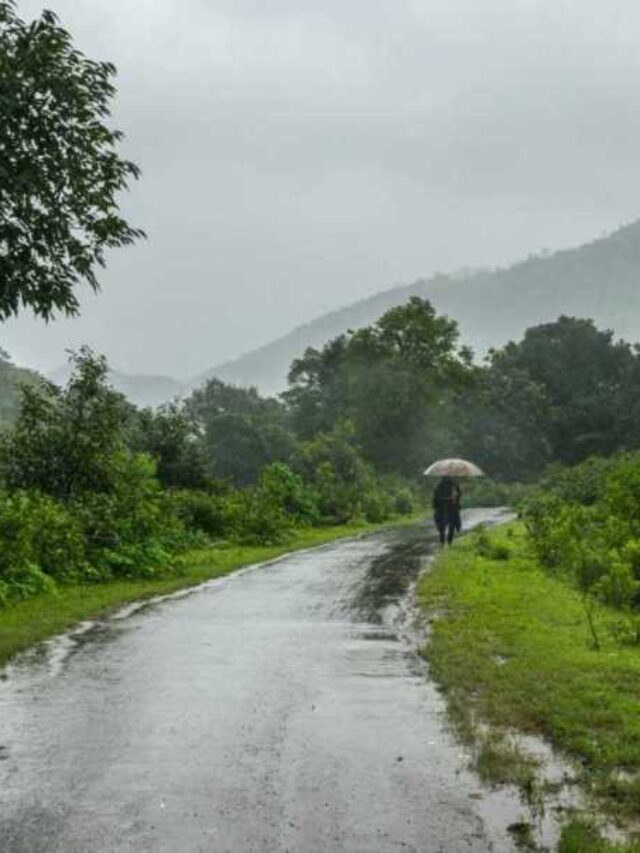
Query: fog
298, 158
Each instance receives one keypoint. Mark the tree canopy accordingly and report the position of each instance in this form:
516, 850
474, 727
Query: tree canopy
60, 171
591, 383
242, 432
389, 380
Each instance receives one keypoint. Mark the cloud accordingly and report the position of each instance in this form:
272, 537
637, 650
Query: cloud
296, 158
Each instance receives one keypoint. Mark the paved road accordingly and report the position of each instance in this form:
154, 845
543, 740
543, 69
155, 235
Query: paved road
276, 710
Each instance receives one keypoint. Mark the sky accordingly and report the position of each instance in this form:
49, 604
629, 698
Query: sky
298, 156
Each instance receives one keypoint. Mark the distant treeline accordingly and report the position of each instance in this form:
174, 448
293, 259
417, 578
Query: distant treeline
410, 392
95, 488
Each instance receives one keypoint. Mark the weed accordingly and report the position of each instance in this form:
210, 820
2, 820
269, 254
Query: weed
583, 836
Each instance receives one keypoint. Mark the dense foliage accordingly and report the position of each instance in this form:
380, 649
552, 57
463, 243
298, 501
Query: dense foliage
241, 431
411, 393
584, 524
11, 378
60, 172
93, 488
124, 491
388, 381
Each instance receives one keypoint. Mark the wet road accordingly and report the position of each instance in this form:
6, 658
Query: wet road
280, 709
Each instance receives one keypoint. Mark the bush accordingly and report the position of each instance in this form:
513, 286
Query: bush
134, 529
23, 582
587, 526
38, 535
282, 488
486, 546
581, 484
255, 520
489, 493
403, 502
377, 506
337, 477
200, 511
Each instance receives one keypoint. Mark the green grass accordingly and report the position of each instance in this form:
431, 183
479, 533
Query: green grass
28, 622
583, 836
512, 648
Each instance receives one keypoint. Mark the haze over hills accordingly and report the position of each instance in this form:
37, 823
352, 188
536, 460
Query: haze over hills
600, 279
141, 389
11, 379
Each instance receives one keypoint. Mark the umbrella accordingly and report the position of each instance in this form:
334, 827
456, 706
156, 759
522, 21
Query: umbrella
453, 468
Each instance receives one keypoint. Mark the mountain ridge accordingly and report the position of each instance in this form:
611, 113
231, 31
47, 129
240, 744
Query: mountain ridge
141, 388
597, 279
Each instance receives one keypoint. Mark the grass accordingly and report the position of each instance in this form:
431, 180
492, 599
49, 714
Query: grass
583, 836
27, 623
512, 649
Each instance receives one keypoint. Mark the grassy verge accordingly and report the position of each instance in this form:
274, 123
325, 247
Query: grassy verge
512, 648
28, 622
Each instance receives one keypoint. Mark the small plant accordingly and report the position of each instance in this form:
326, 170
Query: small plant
486, 546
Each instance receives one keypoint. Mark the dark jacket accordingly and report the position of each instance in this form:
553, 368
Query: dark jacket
446, 504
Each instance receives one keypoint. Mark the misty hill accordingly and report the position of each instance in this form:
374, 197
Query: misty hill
11, 378
141, 389
600, 280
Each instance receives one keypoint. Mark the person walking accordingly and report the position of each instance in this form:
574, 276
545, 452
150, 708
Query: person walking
447, 497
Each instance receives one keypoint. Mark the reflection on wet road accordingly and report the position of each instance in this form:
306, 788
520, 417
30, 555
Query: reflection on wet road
275, 710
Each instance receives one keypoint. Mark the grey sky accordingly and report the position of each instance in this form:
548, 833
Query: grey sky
297, 156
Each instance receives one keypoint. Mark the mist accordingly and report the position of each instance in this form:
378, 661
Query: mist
295, 160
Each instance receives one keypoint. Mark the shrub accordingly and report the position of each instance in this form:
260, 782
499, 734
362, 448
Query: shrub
403, 502
587, 525
281, 487
255, 520
581, 484
133, 529
377, 506
488, 493
486, 546
201, 511
38, 535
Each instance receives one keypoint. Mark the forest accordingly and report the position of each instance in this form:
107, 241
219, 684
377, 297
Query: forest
94, 488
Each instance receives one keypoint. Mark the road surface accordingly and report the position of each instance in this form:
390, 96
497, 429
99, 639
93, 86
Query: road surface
279, 709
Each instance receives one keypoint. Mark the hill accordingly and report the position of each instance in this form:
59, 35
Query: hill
141, 389
600, 279
11, 378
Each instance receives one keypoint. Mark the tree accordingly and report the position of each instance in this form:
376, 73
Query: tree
242, 431
11, 378
388, 380
68, 442
338, 478
172, 438
591, 382
60, 172
502, 422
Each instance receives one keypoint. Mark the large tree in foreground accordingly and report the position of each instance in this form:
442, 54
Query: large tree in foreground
60, 171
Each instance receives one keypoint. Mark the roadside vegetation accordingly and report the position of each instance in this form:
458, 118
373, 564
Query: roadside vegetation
29, 621
96, 491
535, 631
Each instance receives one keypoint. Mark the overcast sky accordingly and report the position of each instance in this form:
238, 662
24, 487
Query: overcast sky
297, 156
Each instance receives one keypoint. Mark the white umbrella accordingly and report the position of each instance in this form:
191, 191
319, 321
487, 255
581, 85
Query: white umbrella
453, 468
